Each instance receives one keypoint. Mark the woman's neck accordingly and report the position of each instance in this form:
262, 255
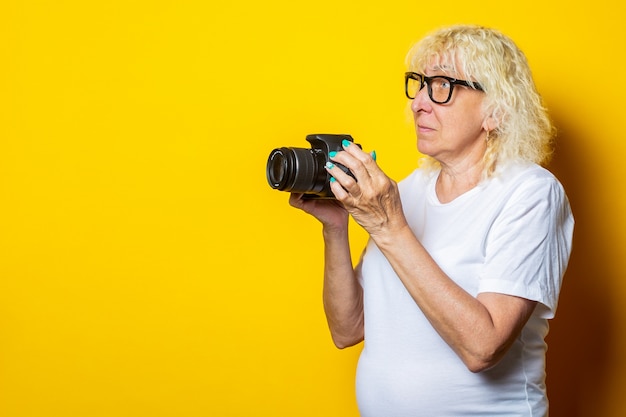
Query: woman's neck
454, 181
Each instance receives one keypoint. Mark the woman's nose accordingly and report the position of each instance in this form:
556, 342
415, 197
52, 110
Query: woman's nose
421, 101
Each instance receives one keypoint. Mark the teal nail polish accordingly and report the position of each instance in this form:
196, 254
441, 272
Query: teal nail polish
330, 165
373, 155
332, 179
345, 143
332, 154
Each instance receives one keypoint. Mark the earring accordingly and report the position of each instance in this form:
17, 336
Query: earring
487, 138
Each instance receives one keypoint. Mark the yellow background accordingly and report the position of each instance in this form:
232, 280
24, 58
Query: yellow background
146, 267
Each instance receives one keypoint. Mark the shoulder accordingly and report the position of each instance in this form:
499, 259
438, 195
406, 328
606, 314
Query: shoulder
533, 193
525, 195
528, 181
523, 172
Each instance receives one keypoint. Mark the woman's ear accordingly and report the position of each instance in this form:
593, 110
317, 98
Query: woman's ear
490, 123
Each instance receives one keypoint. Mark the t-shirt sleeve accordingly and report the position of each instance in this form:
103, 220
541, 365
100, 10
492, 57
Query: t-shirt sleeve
529, 244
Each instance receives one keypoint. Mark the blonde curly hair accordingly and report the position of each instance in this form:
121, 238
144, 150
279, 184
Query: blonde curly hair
524, 130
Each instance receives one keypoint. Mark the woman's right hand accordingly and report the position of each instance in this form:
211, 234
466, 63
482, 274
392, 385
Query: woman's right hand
330, 213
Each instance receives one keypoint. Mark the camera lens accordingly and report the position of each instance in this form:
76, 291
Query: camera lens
297, 170
276, 169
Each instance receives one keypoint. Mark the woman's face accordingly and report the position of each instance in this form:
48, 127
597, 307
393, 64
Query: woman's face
452, 132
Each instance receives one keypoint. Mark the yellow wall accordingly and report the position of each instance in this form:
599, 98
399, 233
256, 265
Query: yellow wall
146, 267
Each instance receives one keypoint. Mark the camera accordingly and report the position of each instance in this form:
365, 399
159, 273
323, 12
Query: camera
302, 170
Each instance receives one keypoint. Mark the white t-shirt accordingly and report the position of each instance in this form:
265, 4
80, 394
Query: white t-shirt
510, 234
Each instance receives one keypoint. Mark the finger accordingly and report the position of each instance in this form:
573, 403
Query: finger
343, 185
360, 163
295, 200
356, 151
338, 175
338, 191
358, 172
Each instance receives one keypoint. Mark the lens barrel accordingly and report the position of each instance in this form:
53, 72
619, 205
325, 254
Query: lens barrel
298, 170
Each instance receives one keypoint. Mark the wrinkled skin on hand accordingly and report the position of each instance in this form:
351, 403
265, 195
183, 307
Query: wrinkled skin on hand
331, 213
373, 198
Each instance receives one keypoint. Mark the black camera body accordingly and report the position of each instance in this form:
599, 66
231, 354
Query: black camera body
302, 170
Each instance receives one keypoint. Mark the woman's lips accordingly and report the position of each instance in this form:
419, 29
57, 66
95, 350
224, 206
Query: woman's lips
425, 129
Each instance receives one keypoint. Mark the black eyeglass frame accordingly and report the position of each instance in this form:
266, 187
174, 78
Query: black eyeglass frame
427, 80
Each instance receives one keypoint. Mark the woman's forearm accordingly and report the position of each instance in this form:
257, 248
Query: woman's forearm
480, 329
343, 294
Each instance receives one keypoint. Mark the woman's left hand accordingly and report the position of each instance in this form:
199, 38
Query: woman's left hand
373, 199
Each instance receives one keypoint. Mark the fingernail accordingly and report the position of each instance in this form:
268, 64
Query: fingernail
345, 143
373, 153
332, 154
330, 165
332, 179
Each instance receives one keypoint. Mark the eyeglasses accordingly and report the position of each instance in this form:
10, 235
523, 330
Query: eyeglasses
439, 87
